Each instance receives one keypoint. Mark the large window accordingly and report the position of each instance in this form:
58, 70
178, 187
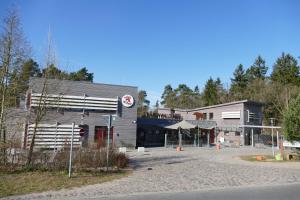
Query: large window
211, 116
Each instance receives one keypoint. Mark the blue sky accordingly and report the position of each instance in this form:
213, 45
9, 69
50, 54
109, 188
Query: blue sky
152, 43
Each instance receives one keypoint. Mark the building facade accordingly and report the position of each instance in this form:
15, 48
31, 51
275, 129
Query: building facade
87, 105
231, 119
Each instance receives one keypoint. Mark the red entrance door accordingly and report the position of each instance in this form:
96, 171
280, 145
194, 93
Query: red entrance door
101, 136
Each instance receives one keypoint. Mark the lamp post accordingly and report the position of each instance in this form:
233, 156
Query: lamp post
272, 124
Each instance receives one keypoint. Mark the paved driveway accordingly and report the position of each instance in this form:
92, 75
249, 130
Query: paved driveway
290, 192
194, 169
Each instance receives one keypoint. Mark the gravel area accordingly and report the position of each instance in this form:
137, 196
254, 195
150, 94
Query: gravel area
165, 170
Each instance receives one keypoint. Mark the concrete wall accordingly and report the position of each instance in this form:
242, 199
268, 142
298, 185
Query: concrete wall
124, 125
15, 126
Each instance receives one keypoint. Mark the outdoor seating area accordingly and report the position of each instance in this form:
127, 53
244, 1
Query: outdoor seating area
190, 133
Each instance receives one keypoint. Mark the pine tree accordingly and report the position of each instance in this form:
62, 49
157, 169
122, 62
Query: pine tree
184, 96
210, 93
155, 110
168, 97
197, 98
221, 92
286, 70
81, 75
196, 90
238, 83
143, 104
30, 68
258, 70
52, 72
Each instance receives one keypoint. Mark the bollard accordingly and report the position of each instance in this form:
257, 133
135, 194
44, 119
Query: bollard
166, 140
218, 146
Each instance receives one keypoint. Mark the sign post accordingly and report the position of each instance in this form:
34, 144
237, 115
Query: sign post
71, 151
252, 138
108, 139
278, 140
81, 132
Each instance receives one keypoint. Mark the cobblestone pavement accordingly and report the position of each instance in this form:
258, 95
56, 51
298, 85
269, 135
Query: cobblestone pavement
165, 170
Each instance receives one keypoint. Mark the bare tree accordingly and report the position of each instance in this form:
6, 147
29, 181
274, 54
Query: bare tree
40, 110
13, 51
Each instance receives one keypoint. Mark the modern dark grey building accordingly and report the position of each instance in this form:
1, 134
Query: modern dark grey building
86, 104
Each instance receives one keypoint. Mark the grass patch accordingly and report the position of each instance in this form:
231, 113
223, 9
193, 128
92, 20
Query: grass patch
18, 183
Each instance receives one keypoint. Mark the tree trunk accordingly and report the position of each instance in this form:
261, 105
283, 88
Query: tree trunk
39, 115
30, 153
4, 82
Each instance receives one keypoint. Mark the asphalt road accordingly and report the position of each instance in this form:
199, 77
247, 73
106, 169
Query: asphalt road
284, 192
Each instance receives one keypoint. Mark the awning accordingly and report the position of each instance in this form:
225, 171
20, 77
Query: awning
203, 124
183, 125
155, 122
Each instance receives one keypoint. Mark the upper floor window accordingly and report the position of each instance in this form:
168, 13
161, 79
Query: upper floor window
204, 116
